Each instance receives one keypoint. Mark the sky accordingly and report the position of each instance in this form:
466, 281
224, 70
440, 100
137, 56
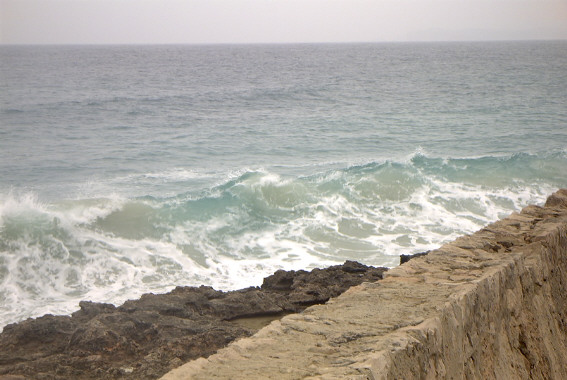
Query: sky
277, 21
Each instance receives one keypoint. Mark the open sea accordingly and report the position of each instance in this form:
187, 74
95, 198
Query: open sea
134, 169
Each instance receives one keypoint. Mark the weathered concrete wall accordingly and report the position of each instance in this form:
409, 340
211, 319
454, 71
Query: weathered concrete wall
492, 305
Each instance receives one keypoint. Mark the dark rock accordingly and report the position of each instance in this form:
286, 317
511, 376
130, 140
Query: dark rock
145, 338
406, 258
308, 288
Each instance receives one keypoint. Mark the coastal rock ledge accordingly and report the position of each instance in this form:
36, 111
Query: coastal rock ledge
145, 338
492, 305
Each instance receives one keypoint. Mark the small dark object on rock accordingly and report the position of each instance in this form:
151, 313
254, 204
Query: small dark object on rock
406, 258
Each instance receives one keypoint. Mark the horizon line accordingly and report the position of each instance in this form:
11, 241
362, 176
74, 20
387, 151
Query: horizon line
275, 43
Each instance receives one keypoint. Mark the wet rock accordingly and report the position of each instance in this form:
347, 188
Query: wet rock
308, 288
145, 338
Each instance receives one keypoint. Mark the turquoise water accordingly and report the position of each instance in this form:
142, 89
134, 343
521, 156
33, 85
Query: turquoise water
132, 169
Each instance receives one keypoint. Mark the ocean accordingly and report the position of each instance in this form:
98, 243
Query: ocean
134, 169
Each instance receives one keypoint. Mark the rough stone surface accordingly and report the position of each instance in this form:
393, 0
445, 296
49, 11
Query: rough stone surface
144, 339
492, 305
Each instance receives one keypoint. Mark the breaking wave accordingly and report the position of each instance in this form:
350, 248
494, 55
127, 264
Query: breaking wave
232, 234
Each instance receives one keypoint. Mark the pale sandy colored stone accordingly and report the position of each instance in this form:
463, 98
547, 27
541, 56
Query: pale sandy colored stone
492, 305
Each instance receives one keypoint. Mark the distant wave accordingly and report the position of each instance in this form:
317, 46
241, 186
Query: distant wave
11, 111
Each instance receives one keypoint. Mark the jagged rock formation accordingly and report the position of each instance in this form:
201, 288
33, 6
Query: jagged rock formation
143, 339
492, 305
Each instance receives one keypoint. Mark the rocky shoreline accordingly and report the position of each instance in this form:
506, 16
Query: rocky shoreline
145, 338
490, 305
427, 317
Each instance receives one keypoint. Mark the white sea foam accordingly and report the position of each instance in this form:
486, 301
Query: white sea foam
17, 204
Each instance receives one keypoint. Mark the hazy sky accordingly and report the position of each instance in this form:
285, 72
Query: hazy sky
251, 21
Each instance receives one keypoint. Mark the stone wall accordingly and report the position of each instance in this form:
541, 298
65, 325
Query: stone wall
492, 305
